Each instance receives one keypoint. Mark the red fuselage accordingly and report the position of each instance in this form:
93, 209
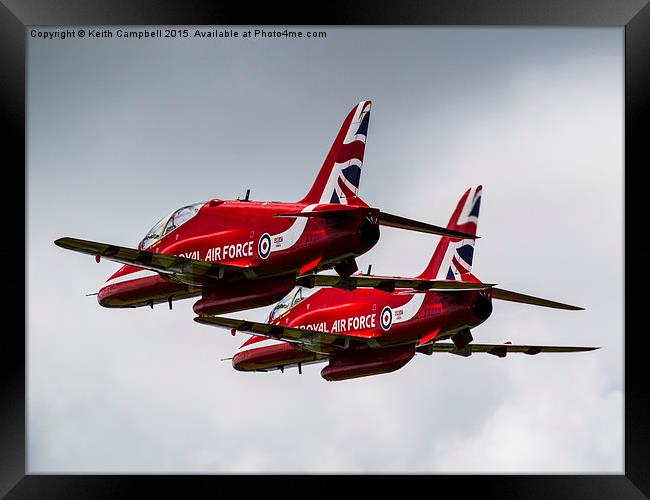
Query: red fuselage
395, 322
246, 234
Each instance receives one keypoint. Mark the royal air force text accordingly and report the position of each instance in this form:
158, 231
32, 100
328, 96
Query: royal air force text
225, 252
344, 325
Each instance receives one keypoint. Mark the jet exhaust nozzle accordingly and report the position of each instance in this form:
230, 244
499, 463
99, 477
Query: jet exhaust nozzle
482, 307
368, 233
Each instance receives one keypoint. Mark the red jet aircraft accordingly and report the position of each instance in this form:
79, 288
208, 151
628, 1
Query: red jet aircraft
368, 332
241, 254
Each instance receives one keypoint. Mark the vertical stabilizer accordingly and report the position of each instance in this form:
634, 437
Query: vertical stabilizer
339, 176
453, 257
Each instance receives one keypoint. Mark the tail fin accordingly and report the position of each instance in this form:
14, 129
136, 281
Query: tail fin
453, 257
338, 178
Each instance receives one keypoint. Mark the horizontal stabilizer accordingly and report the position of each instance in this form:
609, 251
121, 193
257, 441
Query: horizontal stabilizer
387, 283
186, 270
499, 350
498, 293
390, 220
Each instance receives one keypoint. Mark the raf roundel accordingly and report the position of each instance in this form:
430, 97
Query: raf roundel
386, 318
264, 246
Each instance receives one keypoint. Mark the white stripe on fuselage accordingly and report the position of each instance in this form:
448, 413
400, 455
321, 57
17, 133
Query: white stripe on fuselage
261, 343
290, 237
142, 273
410, 309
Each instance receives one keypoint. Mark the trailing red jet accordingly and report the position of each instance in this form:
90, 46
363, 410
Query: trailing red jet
362, 332
240, 254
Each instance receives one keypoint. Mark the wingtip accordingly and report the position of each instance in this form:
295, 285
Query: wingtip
65, 242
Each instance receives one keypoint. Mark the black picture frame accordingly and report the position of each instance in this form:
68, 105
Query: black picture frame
15, 15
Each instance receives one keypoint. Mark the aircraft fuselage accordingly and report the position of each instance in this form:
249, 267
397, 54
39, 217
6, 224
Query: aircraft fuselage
394, 322
247, 234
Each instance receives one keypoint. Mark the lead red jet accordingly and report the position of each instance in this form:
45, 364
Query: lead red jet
240, 254
362, 332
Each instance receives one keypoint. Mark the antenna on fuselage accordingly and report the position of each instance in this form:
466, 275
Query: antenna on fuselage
369, 269
248, 192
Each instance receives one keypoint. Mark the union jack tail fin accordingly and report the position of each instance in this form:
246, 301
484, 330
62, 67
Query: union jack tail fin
338, 178
452, 258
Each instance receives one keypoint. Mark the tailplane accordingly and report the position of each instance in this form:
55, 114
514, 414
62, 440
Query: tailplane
339, 176
452, 258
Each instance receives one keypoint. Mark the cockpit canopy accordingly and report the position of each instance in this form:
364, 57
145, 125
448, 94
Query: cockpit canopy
169, 223
295, 296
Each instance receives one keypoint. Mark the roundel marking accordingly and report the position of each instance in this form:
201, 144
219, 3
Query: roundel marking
386, 318
264, 246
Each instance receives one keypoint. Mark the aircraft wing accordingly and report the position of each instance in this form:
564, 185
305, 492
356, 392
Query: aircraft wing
386, 283
181, 268
311, 340
499, 350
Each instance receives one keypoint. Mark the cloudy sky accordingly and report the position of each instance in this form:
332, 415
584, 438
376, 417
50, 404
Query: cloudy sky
121, 132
